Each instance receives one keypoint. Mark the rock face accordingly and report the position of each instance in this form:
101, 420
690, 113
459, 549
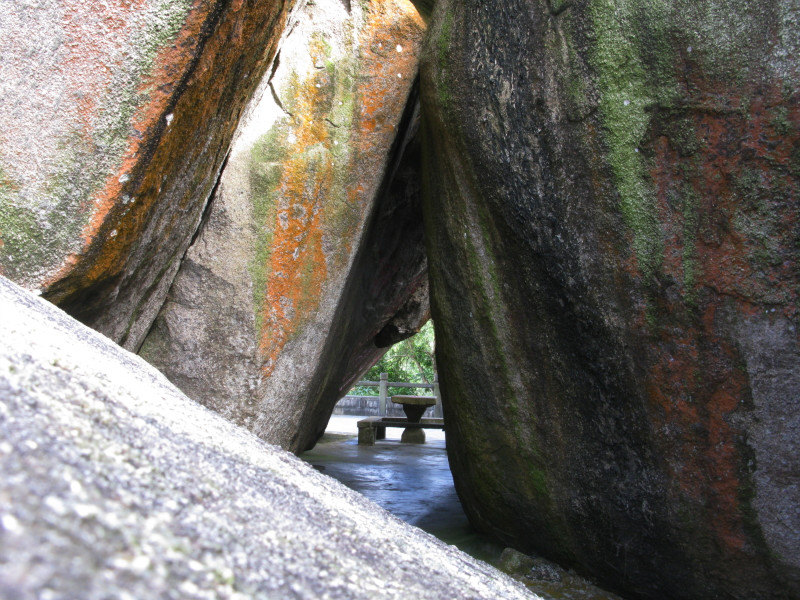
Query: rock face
425, 7
611, 199
117, 119
114, 484
311, 261
611, 223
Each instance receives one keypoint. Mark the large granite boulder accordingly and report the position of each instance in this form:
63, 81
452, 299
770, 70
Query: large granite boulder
311, 261
611, 199
113, 484
116, 120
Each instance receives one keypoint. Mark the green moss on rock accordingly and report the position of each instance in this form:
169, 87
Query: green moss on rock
443, 42
42, 226
265, 171
34, 242
624, 99
340, 216
691, 204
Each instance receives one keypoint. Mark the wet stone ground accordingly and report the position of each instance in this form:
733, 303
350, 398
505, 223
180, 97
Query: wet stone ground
414, 483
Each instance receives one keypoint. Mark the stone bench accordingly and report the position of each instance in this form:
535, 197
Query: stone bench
374, 428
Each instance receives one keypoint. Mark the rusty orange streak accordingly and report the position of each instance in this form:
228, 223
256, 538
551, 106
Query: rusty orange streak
298, 267
97, 34
708, 226
172, 59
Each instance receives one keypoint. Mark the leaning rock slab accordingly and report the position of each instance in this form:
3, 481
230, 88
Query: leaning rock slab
114, 484
117, 117
313, 242
611, 207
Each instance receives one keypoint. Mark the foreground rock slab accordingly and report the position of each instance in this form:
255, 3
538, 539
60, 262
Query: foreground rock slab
114, 484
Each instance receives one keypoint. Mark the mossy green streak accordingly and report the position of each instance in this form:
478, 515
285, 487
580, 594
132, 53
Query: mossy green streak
624, 96
338, 212
31, 240
691, 222
266, 160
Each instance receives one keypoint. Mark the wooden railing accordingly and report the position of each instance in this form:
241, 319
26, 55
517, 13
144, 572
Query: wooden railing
384, 384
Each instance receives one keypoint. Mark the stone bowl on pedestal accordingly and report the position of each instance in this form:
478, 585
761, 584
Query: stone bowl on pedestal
414, 407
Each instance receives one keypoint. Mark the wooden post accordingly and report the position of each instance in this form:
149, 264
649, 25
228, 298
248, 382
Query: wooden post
383, 394
437, 410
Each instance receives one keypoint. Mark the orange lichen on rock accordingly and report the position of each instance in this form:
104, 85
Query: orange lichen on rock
194, 73
297, 266
691, 412
90, 56
321, 198
390, 43
150, 122
90, 65
158, 87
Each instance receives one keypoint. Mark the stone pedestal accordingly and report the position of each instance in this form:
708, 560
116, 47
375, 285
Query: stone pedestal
413, 435
414, 407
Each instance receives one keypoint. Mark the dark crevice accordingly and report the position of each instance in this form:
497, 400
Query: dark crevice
209, 203
424, 8
274, 93
556, 8
145, 297
386, 292
204, 218
278, 100
275, 64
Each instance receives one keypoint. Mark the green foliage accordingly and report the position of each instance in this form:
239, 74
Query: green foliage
410, 360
